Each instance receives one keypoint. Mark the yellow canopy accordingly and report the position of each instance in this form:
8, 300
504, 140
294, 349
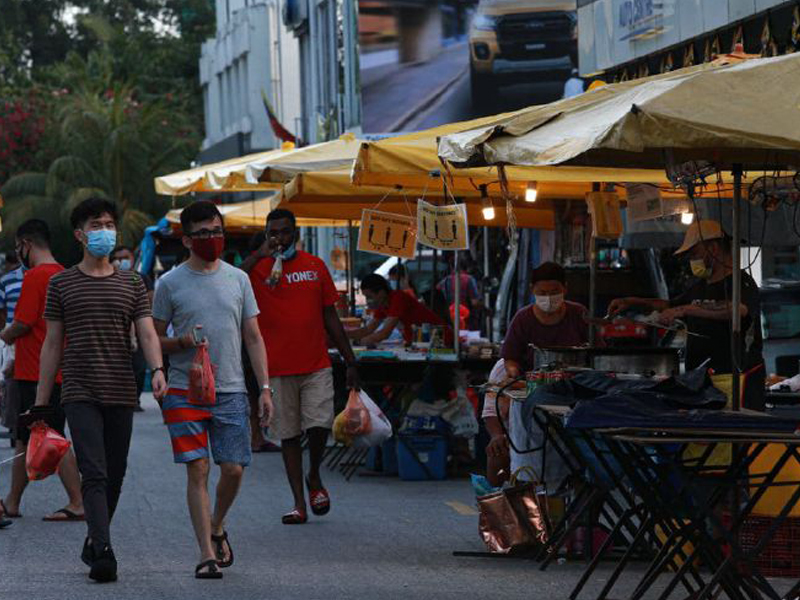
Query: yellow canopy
244, 217
731, 111
330, 194
260, 171
411, 161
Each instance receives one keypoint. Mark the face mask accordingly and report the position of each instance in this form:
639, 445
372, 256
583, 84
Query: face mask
101, 242
549, 304
394, 284
700, 269
209, 249
25, 261
289, 253
124, 264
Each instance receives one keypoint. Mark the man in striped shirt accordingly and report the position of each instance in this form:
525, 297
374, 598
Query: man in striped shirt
91, 307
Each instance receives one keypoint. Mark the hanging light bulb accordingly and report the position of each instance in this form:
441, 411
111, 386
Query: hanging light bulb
531, 192
687, 218
488, 208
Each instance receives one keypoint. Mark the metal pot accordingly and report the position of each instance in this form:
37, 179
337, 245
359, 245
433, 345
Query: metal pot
639, 361
566, 356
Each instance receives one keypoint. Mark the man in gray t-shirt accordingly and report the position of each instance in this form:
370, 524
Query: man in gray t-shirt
215, 299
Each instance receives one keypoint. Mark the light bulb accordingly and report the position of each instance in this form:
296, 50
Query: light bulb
531, 192
488, 209
687, 218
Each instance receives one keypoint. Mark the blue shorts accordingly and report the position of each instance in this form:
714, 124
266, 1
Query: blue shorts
226, 425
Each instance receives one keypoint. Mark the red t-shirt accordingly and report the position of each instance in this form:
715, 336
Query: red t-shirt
30, 312
291, 320
409, 311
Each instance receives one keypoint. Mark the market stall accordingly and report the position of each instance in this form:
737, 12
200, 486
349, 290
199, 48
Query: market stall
673, 121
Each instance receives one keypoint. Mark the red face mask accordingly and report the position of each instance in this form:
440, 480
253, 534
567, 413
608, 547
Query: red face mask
209, 249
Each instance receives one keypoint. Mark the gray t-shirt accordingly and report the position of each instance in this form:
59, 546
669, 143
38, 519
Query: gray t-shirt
219, 301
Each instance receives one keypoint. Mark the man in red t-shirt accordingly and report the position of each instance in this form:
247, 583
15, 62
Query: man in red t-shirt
27, 333
390, 308
296, 297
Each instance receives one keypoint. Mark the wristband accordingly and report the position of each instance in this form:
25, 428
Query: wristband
161, 368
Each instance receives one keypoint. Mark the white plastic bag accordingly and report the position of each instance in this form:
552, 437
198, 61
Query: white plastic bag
380, 427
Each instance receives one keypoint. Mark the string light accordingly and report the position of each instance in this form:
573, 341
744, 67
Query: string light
531, 192
488, 207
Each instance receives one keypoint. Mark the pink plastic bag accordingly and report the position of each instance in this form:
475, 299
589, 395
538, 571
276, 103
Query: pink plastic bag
46, 448
356, 416
201, 379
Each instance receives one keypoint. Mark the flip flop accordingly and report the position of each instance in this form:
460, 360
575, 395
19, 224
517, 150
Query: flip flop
68, 516
4, 512
219, 540
319, 500
296, 517
213, 570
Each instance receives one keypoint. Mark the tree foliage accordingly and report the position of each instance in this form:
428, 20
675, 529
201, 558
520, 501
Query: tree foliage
97, 97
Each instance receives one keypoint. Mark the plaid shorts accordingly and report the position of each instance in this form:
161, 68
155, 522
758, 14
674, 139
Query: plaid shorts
226, 424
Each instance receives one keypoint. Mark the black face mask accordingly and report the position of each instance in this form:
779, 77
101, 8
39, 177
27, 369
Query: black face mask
25, 260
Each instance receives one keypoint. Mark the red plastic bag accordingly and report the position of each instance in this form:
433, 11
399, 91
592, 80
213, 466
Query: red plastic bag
201, 379
46, 448
356, 416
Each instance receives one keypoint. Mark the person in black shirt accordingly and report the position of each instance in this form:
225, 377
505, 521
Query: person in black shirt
706, 309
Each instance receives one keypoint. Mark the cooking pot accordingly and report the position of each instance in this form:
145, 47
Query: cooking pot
639, 361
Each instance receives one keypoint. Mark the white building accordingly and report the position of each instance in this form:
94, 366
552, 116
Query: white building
252, 51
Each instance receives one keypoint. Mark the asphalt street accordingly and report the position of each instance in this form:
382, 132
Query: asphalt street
384, 538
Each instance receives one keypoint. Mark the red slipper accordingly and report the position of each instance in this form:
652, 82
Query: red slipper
319, 500
296, 517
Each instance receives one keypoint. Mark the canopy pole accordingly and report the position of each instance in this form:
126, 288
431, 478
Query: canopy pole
736, 285
593, 278
350, 266
487, 294
456, 303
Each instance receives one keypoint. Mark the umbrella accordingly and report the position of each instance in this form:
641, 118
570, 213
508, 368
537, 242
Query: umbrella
718, 113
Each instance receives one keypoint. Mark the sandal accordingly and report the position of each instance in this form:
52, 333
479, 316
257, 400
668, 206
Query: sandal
220, 541
5, 513
213, 571
319, 500
296, 517
68, 516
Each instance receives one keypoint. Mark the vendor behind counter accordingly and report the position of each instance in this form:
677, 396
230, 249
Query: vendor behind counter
705, 307
551, 321
390, 309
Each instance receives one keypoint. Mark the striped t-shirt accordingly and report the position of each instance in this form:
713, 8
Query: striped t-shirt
97, 313
10, 288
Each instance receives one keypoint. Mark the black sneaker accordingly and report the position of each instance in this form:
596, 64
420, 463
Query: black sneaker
104, 566
87, 555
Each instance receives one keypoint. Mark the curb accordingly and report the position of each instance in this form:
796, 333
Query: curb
406, 118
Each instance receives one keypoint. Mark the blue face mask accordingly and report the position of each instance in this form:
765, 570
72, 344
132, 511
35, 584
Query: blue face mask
289, 253
101, 242
125, 264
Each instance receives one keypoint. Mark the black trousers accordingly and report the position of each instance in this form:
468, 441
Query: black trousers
101, 436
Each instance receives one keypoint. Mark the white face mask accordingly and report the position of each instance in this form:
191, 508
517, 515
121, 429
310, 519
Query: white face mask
549, 304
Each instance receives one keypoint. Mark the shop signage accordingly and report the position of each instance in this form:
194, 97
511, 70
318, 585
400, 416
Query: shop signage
387, 234
639, 18
443, 227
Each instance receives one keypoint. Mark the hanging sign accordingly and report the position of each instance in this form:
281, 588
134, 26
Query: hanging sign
443, 227
387, 234
606, 216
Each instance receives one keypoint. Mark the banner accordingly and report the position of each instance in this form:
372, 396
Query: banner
443, 227
387, 234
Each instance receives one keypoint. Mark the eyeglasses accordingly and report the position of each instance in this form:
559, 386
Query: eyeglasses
204, 234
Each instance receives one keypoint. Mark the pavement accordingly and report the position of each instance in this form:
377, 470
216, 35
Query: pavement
384, 538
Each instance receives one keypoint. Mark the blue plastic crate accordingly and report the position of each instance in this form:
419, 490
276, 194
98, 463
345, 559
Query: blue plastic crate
387, 461
430, 450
